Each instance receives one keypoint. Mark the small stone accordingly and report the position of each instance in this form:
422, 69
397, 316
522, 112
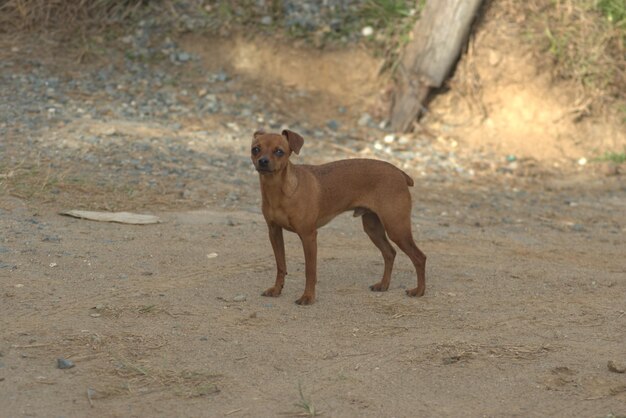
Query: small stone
183, 56
211, 255
494, 57
95, 315
451, 360
582, 161
266, 20
367, 31
204, 338
388, 139
616, 367
333, 124
240, 298
64, 364
222, 76
110, 131
365, 120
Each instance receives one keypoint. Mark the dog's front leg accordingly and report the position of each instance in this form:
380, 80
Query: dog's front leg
309, 244
278, 245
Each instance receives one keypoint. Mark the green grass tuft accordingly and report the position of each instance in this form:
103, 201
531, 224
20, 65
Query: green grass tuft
614, 11
614, 157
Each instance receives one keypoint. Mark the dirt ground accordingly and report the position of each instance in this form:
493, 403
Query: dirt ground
526, 274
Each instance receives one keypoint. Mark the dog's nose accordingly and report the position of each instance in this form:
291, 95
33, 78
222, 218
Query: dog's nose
264, 162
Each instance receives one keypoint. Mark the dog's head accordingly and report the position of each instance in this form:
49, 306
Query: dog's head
270, 152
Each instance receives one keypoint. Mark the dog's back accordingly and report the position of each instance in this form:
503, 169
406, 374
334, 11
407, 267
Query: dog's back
359, 171
359, 183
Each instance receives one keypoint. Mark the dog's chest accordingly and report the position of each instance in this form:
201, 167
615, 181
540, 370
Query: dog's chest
275, 212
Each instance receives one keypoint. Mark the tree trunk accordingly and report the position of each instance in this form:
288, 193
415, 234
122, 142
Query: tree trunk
438, 38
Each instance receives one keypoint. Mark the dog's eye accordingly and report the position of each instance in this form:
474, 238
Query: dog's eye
256, 150
279, 152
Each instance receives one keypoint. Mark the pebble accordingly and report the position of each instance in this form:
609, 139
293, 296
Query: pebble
240, 298
64, 363
222, 77
367, 31
333, 124
616, 367
365, 120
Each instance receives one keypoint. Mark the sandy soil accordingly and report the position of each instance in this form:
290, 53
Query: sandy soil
525, 304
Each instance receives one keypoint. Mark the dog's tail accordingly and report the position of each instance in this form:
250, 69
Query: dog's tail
409, 180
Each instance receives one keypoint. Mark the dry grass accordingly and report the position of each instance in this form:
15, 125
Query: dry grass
583, 41
125, 365
42, 15
140, 376
452, 352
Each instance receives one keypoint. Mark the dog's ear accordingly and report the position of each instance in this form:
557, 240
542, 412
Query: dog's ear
258, 133
295, 140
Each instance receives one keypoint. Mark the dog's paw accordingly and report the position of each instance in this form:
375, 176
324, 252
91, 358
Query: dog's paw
378, 287
417, 292
306, 300
272, 292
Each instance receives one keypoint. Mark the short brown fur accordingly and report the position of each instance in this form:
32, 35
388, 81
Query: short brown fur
303, 198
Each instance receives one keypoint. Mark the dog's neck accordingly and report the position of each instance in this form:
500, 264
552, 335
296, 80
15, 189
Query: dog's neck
283, 182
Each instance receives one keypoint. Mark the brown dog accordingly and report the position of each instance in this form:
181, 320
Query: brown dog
303, 198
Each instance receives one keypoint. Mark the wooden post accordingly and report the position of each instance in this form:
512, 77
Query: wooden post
438, 38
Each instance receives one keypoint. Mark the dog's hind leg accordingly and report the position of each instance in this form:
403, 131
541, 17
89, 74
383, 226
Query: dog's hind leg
399, 231
375, 230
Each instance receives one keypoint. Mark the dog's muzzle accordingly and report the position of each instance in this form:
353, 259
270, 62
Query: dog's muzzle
263, 165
